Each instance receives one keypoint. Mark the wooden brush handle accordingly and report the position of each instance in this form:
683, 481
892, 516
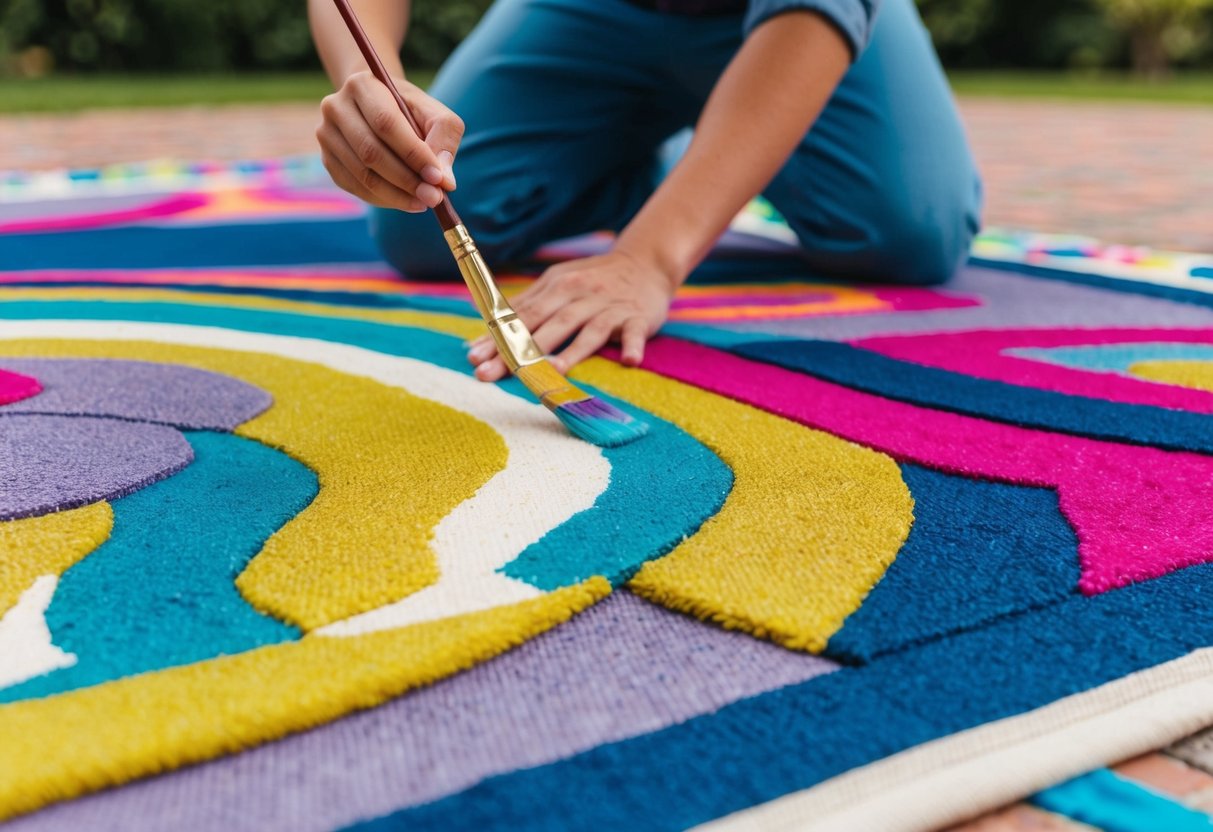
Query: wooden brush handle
444, 211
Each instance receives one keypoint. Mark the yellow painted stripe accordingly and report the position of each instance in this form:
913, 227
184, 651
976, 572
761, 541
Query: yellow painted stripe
811, 525
365, 540
48, 545
1182, 373
748, 567
145, 724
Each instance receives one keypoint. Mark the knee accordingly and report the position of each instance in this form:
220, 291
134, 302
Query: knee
923, 240
412, 244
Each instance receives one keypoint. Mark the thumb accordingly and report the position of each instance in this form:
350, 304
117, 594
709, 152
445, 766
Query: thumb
445, 131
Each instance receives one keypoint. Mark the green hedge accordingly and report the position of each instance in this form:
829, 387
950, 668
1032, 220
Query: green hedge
195, 35
37, 36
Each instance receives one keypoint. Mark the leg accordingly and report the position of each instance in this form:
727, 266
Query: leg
884, 186
562, 135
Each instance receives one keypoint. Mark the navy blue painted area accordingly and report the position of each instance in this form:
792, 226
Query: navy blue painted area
161, 591
1116, 284
202, 246
977, 551
644, 512
905, 381
769, 745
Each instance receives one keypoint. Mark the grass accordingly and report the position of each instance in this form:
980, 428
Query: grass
1182, 88
68, 92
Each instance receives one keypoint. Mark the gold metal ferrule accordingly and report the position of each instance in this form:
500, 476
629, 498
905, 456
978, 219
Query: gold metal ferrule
513, 339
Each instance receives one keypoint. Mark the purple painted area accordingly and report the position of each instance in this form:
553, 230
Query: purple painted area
64, 207
1010, 301
169, 394
59, 462
596, 408
622, 668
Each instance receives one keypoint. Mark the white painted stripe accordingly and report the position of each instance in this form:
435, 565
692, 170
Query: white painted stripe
955, 778
549, 476
25, 640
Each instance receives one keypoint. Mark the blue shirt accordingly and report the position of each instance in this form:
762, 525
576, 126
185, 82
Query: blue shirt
853, 18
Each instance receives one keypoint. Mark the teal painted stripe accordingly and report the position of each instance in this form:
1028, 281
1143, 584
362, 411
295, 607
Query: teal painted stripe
1110, 802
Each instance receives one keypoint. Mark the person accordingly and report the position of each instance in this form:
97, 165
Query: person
837, 111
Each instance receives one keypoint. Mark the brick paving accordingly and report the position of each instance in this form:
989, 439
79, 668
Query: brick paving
1163, 774
1130, 173
1135, 173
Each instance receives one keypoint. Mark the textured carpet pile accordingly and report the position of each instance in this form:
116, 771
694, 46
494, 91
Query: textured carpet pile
270, 558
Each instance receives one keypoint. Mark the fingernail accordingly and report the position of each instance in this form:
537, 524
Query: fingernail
446, 159
428, 194
432, 174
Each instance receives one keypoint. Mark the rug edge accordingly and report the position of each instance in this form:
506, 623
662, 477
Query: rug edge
959, 777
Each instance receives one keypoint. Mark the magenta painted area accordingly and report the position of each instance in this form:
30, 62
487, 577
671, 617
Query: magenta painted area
156, 210
896, 299
15, 386
980, 353
911, 299
1139, 512
725, 300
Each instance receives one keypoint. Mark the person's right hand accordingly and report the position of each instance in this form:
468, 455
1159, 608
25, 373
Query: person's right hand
371, 151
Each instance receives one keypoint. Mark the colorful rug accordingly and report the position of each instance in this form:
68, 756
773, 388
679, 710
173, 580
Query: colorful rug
271, 559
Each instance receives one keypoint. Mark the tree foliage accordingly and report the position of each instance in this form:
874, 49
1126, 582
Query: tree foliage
1068, 34
224, 35
198, 35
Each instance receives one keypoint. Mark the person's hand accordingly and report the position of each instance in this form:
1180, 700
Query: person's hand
371, 151
612, 297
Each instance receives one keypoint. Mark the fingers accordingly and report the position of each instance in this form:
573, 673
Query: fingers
632, 337
591, 339
364, 132
350, 174
567, 320
443, 133
551, 334
492, 370
382, 113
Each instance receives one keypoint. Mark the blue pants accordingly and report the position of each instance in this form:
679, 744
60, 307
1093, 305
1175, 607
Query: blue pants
568, 103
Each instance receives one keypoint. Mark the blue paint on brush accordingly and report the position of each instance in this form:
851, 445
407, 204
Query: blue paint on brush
600, 422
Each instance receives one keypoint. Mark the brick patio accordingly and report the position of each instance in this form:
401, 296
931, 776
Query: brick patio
1132, 173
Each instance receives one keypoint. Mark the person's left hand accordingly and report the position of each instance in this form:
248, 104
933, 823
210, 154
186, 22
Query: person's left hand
616, 296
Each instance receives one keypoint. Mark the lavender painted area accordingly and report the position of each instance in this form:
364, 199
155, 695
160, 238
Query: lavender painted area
622, 668
1008, 301
59, 462
169, 394
47, 208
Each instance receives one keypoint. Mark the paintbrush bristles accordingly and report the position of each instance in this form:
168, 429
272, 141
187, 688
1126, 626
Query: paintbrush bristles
586, 416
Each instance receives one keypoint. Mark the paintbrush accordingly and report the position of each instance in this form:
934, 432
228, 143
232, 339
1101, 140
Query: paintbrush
586, 416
